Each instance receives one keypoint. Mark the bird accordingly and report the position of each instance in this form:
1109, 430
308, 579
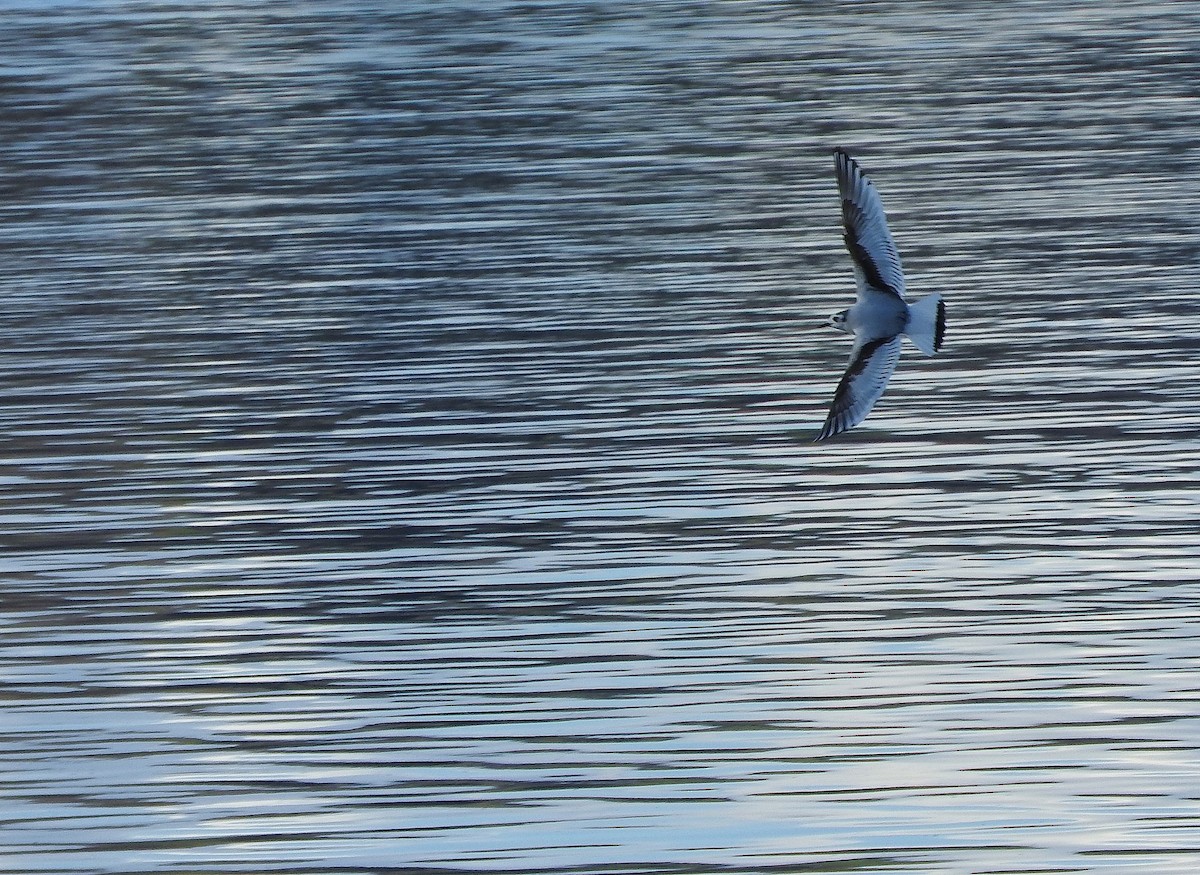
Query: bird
880, 315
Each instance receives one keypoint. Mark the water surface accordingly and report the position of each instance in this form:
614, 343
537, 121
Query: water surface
405, 440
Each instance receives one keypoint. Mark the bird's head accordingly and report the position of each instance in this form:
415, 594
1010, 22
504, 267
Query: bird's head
839, 321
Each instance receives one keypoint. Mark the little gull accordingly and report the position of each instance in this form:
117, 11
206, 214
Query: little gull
880, 314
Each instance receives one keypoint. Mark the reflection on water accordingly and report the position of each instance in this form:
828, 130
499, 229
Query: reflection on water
406, 440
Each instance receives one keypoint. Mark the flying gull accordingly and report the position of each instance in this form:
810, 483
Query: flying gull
880, 314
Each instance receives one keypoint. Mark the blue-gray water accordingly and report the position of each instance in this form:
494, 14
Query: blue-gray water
405, 420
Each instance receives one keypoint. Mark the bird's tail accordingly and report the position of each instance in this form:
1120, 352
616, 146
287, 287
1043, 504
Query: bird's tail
927, 323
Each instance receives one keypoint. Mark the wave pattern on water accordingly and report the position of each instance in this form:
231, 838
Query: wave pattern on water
406, 440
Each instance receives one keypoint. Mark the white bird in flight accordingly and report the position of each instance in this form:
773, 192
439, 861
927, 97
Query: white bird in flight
880, 314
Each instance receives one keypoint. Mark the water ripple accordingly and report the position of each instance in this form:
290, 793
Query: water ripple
407, 457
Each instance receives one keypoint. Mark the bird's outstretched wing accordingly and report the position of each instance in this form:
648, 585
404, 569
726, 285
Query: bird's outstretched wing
871, 366
876, 261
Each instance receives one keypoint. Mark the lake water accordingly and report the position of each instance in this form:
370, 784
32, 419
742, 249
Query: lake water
405, 440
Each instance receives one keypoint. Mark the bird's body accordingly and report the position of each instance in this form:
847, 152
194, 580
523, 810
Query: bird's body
876, 314
880, 315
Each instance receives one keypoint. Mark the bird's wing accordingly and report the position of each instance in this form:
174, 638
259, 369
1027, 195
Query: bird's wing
876, 260
871, 366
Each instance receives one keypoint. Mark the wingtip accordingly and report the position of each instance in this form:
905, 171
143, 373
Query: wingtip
828, 430
848, 171
826, 434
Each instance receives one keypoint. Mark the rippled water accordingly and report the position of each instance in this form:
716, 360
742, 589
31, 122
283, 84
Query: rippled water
405, 414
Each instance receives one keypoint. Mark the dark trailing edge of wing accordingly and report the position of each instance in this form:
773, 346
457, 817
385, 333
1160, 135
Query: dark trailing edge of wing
939, 331
851, 217
835, 423
859, 253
